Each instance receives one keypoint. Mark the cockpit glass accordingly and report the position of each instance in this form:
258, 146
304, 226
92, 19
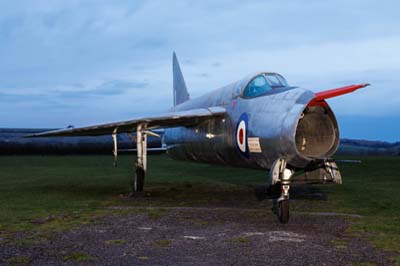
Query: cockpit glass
258, 86
274, 80
283, 80
264, 83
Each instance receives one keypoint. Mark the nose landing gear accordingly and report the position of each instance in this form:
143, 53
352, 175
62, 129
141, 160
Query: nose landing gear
280, 176
283, 205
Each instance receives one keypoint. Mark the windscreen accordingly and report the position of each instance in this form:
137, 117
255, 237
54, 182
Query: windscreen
276, 80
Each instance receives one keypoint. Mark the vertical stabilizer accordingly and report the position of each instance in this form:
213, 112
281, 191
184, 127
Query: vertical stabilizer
180, 91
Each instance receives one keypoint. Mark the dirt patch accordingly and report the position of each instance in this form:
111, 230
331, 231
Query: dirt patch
200, 236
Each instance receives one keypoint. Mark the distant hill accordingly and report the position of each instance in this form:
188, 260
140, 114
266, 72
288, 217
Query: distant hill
368, 147
12, 142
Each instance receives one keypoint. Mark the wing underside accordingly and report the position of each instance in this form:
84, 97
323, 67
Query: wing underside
170, 119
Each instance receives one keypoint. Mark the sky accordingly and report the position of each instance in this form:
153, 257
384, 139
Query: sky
86, 62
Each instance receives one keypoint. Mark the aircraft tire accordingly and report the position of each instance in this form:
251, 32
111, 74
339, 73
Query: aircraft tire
283, 211
139, 179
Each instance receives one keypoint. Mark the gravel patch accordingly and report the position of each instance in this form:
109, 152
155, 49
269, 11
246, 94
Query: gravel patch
199, 236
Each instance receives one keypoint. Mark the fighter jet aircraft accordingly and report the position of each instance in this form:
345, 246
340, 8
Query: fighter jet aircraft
258, 122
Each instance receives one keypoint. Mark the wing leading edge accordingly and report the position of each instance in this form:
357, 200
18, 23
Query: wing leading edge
171, 119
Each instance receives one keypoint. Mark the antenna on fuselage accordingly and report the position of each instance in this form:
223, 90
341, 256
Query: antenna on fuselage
179, 86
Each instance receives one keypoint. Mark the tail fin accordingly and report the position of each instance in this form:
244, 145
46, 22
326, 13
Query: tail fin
180, 91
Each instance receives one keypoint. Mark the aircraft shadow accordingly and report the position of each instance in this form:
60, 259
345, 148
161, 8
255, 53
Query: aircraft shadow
299, 191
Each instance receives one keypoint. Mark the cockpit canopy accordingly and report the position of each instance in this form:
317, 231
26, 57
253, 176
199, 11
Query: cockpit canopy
263, 83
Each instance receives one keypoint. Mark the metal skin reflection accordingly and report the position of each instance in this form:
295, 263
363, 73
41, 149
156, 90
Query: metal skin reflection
276, 127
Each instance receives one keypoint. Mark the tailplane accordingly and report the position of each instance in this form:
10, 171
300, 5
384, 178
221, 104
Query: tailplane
180, 91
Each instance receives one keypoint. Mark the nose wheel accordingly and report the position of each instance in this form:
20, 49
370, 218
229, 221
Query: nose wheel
280, 177
283, 211
283, 205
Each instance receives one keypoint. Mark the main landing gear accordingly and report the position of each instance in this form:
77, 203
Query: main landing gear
280, 178
138, 179
141, 161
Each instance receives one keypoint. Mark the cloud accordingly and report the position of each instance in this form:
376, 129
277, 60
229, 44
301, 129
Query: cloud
203, 75
108, 88
17, 98
216, 64
90, 54
118, 87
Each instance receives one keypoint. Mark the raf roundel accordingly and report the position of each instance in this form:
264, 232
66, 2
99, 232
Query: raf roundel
241, 135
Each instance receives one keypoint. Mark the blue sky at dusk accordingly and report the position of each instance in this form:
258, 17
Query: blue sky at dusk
86, 62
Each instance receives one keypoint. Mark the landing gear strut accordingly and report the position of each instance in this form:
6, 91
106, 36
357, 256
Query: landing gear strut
280, 176
137, 181
141, 162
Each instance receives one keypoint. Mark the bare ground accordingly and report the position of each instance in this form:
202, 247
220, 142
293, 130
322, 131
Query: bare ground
197, 236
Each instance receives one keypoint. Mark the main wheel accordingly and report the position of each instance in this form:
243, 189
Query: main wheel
138, 183
283, 211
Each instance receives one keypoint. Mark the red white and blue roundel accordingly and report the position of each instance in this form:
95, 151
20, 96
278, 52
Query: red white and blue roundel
241, 135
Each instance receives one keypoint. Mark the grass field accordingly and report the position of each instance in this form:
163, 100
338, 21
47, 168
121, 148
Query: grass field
74, 187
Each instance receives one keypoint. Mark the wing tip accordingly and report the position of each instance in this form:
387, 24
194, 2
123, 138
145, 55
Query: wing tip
44, 134
365, 85
31, 136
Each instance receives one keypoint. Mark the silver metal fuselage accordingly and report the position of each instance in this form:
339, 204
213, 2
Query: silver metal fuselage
282, 121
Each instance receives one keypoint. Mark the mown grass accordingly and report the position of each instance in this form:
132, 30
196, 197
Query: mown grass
115, 242
78, 257
33, 187
57, 192
339, 243
371, 189
18, 261
162, 243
